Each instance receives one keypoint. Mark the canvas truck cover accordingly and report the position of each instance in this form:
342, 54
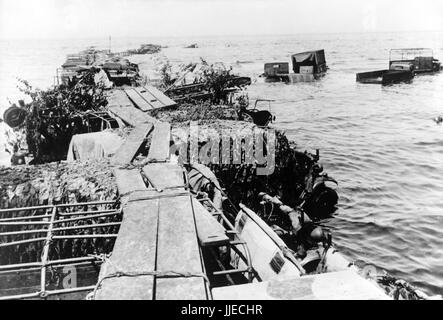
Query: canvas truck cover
310, 58
94, 145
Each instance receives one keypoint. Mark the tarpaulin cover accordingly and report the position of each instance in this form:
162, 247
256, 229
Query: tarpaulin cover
316, 57
310, 58
93, 145
101, 78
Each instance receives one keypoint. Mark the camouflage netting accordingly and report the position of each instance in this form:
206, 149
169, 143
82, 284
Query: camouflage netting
56, 183
53, 183
192, 112
240, 181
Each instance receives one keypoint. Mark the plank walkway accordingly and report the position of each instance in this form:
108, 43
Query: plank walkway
121, 106
148, 98
178, 251
134, 253
159, 150
149, 91
138, 100
129, 181
157, 237
163, 225
164, 175
128, 150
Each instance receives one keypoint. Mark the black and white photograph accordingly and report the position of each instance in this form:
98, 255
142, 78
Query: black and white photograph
233, 150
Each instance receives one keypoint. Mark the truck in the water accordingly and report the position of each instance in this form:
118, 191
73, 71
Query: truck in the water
307, 66
404, 64
419, 60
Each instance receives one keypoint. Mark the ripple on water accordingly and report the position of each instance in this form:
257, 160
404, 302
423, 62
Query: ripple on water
379, 143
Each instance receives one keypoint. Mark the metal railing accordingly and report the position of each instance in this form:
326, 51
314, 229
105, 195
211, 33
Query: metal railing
53, 224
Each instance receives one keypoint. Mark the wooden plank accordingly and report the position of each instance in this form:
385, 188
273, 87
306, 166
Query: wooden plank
134, 252
138, 100
128, 150
210, 232
151, 99
118, 98
129, 181
164, 99
161, 136
120, 105
164, 175
178, 251
342, 285
131, 115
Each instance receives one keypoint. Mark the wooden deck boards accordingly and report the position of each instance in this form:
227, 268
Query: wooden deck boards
158, 232
152, 100
128, 150
178, 251
160, 96
118, 98
128, 181
120, 105
148, 98
164, 175
131, 115
134, 252
138, 100
161, 136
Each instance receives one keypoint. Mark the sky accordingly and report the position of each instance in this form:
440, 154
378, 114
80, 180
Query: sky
47, 19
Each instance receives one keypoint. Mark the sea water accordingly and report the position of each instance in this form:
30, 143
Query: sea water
379, 142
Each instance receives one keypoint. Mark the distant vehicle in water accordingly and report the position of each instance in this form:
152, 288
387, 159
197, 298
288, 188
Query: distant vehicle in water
404, 64
419, 60
118, 70
146, 49
385, 77
307, 66
192, 46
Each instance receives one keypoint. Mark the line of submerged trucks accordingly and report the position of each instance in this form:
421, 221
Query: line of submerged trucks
404, 64
278, 268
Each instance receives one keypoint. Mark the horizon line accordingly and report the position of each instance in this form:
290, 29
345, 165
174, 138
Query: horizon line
218, 35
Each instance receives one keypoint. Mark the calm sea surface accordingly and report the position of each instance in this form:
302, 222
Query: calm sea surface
379, 143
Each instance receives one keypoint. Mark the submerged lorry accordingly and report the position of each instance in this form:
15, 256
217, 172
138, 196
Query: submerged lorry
404, 64
419, 60
307, 66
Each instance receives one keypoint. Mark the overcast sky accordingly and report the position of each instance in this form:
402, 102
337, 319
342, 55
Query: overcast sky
150, 18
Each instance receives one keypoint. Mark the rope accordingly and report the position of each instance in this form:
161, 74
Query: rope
131, 192
175, 187
169, 188
48, 241
158, 274
160, 196
156, 196
101, 257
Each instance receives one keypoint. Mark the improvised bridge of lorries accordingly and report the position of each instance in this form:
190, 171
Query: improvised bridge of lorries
156, 254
